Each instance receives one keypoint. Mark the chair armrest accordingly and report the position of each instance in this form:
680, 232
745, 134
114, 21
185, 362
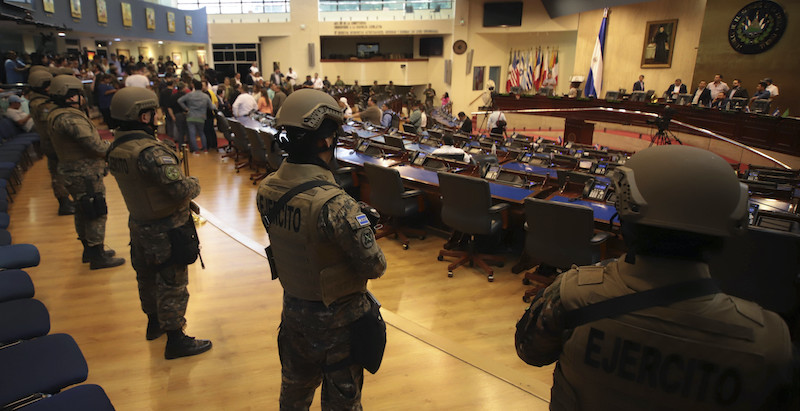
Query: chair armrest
498, 207
411, 193
600, 238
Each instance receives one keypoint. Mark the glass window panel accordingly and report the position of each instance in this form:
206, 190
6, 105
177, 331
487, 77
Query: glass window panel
219, 56
251, 56
240, 55
229, 56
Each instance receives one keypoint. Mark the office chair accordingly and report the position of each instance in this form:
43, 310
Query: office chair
558, 236
258, 155
240, 143
225, 129
275, 154
467, 208
762, 266
393, 201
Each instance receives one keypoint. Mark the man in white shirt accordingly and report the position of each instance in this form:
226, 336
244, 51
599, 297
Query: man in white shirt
494, 118
318, 82
244, 104
291, 77
254, 68
448, 147
137, 79
718, 86
773, 89
423, 123
15, 113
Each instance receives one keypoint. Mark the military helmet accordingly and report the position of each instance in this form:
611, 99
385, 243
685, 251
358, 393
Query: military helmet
34, 69
130, 101
40, 79
307, 108
681, 188
61, 70
62, 84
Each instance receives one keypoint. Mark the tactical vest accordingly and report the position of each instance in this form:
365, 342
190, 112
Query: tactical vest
40, 109
705, 353
146, 200
67, 146
309, 266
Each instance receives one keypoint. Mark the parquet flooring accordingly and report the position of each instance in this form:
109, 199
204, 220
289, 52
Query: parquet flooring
450, 339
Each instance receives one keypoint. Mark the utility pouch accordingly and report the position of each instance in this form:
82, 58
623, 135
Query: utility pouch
273, 268
368, 338
185, 243
93, 205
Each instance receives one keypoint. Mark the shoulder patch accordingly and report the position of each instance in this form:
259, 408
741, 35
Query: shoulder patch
168, 160
367, 239
172, 172
362, 220
591, 274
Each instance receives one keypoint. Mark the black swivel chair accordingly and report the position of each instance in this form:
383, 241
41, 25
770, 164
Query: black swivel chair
258, 155
275, 154
558, 236
240, 143
467, 208
225, 129
393, 201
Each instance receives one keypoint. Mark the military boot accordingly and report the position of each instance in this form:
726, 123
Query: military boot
65, 206
98, 258
181, 345
153, 328
85, 257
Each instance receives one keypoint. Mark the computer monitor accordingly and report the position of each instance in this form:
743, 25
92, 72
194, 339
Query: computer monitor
737, 103
545, 91
585, 165
393, 141
761, 106
684, 99
648, 95
637, 96
612, 95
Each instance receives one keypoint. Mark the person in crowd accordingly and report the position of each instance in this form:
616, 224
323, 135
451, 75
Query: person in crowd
388, 115
675, 89
244, 104
448, 147
278, 99
14, 111
717, 86
163, 238
264, 102
315, 337
372, 114
197, 105
772, 88
639, 85
702, 95
345, 107
653, 327
466, 123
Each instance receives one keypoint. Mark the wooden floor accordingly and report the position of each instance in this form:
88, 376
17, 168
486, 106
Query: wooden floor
450, 340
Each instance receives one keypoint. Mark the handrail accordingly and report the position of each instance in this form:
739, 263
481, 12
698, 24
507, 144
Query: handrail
644, 114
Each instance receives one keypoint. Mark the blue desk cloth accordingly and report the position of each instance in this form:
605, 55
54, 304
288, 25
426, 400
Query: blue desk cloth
602, 211
527, 168
499, 191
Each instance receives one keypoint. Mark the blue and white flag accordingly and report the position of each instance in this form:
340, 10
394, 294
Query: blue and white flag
595, 80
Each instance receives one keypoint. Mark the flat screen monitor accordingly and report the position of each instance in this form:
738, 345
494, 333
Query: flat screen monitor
367, 50
637, 96
612, 95
546, 91
761, 106
393, 141
431, 46
684, 99
585, 164
737, 103
503, 14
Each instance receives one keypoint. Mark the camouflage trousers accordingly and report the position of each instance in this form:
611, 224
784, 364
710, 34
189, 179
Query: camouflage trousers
91, 230
311, 337
56, 179
162, 286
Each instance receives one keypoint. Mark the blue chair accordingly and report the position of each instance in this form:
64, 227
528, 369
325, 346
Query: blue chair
19, 256
15, 284
44, 365
22, 320
5, 237
5, 220
80, 398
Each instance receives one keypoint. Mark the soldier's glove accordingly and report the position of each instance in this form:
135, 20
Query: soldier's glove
372, 214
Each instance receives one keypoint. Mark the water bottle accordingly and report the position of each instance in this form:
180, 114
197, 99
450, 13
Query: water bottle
494, 149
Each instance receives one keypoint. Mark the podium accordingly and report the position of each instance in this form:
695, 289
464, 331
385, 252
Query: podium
578, 131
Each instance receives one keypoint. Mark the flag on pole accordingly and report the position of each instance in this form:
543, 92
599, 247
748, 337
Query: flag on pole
555, 66
537, 70
595, 81
523, 80
529, 70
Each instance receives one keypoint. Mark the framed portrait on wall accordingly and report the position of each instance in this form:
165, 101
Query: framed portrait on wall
201, 57
150, 17
75, 9
477, 77
177, 58
659, 43
48, 6
102, 11
127, 15
170, 22
188, 20
124, 52
144, 51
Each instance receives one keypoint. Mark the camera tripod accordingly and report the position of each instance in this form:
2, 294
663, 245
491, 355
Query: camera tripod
664, 137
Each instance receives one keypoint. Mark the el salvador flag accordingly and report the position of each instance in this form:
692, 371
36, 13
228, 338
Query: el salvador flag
595, 80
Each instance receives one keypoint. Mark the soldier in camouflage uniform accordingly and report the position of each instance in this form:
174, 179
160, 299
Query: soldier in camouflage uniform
157, 195
689, 346
82, 164
41, 106
324, 252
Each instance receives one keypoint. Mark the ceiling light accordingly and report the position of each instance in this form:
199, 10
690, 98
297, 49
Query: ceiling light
117, 39
62, 34
160, 42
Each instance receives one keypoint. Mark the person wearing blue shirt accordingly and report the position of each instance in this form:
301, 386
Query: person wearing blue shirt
15, 69
388, 115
